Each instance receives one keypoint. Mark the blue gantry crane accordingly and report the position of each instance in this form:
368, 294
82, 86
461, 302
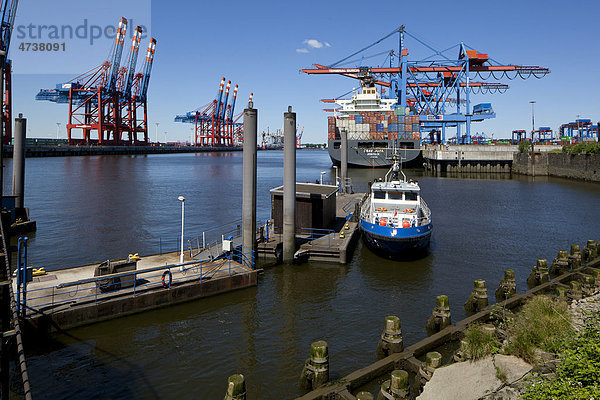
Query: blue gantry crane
437, 87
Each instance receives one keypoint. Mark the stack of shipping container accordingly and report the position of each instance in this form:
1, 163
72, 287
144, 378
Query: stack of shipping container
375, 125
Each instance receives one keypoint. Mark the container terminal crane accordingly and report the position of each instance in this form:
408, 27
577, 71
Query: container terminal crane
427, 94
215, 124
110, 100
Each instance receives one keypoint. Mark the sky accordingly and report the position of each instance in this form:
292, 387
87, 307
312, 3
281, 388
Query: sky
262, 45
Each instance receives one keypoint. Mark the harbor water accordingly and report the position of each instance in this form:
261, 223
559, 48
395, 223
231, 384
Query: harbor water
95, 208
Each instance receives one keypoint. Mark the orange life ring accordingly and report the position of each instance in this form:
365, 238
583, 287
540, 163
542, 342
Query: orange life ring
405, 224
408, 211
164, 281
382, 222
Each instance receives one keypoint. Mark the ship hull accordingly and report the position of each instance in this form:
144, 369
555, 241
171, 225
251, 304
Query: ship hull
396, 242
376, 153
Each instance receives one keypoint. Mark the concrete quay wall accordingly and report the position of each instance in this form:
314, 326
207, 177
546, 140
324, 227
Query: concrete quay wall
578, 166
64, 150
488, 159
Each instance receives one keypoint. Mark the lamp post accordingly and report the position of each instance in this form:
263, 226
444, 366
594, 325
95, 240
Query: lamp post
322, 173
532, 124
182, 200
578, 128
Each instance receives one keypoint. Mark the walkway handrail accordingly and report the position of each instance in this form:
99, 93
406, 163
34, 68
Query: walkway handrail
126, 273
192, 264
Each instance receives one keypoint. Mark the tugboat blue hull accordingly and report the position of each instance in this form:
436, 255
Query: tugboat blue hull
395, 242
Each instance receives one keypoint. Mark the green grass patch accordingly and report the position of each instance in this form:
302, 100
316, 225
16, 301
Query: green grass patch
479, 343
543, 323
578, 375
582, 148
501, 375
524, 146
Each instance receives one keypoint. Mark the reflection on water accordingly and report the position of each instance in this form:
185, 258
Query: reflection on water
93, 208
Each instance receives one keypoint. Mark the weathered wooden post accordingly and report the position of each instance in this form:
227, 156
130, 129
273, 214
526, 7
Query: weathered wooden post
316, 369
560, 265
236, 388
575, 291
539, 273
588, 285
433, 360
396, 387
507, 287
590, 251
479, 297
575, 257
391, 338
440, 317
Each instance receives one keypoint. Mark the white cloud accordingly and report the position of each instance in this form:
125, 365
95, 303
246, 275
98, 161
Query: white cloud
302, 50
314, 43
327, 44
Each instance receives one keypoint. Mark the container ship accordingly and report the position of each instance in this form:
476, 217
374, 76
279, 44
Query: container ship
377, 129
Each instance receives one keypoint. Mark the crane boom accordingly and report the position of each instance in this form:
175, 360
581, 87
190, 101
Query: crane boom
133, 56
148, 68
235, 90
418, 69
219, 96
117, 53
222, 116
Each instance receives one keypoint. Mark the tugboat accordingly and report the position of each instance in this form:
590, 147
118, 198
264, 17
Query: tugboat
394, 220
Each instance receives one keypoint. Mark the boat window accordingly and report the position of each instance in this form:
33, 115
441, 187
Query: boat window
411, 196
395, 195
336, 145
379, 194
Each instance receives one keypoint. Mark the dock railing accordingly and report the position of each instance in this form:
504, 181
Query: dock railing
195, 243
50, 298
322, 237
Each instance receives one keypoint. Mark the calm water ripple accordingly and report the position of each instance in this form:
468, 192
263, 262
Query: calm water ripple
94, 208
